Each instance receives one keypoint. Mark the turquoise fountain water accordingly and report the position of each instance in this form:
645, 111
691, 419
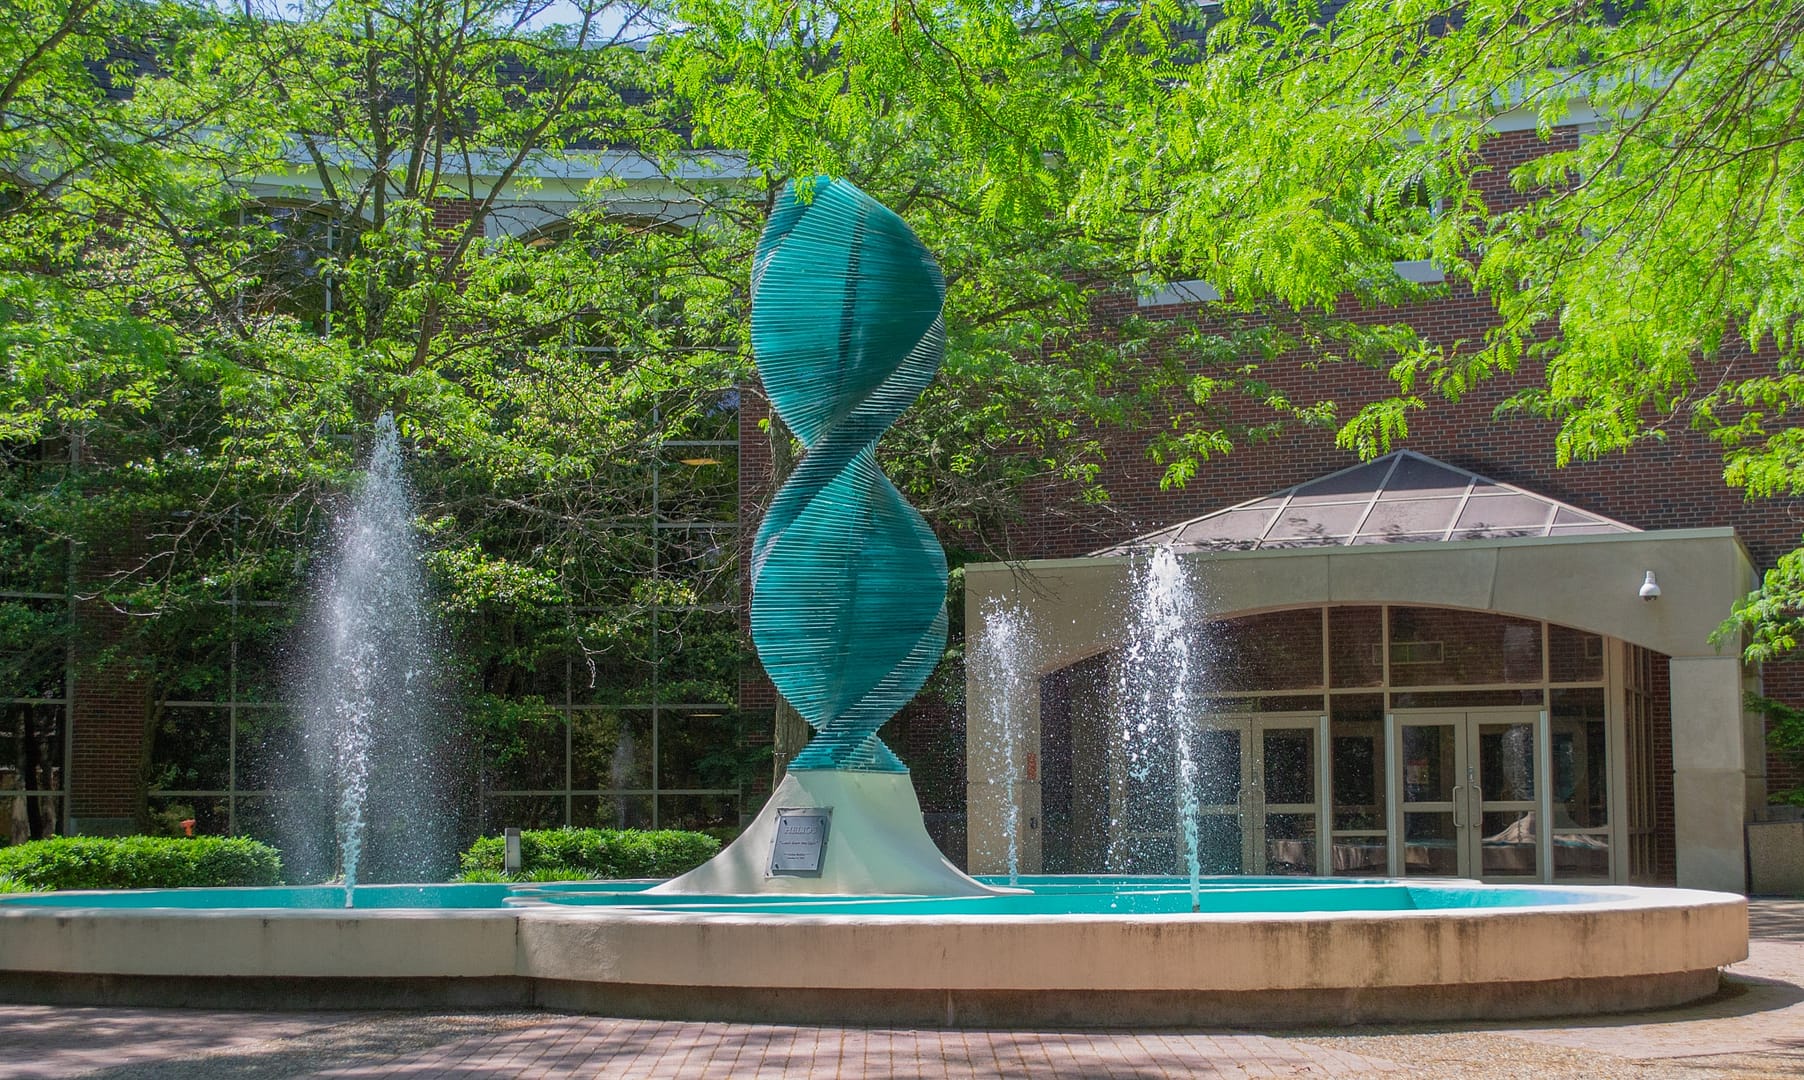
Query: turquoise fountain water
1049, 896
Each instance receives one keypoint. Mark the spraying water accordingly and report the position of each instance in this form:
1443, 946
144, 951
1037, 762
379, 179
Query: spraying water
1158, 677
1004, 657
373, 722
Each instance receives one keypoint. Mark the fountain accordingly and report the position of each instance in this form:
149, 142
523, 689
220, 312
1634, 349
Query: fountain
834, 906
1158, 679
373, 722
1002, 652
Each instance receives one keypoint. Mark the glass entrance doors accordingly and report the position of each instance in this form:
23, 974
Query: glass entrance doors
1469, 792
1260, 787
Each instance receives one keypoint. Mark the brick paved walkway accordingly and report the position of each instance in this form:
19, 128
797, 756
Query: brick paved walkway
1755, 1029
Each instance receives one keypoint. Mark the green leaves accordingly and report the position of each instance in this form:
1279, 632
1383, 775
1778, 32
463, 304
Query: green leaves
140, 862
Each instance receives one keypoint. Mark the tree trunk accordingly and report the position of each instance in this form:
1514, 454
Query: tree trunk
791, 732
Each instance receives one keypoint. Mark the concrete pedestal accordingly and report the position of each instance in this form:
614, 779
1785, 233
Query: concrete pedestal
877, 844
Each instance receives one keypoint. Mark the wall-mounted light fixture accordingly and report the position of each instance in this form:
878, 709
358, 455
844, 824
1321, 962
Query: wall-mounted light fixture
1650, 588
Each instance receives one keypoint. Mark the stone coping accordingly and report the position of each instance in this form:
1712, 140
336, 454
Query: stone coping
1628, 948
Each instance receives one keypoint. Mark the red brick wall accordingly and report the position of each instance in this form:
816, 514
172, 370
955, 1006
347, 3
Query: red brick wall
107, 723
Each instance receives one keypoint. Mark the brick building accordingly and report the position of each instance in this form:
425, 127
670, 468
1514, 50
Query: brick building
1494, 604
1630, 718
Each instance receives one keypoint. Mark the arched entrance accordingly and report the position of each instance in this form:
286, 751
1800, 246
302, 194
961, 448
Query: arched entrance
1370, 740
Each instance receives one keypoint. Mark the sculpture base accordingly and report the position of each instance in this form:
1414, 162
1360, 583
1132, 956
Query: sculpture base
877, 844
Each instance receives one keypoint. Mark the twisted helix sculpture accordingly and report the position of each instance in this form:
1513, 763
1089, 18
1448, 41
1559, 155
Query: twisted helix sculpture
848, 582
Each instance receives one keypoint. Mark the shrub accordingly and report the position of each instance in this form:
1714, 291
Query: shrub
591, 853
140, 862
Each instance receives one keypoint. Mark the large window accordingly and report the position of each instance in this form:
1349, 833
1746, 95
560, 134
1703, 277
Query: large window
624, 713
1436, 726
34, 641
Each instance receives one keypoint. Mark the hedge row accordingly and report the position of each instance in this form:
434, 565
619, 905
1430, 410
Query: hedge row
592, 853
140, 862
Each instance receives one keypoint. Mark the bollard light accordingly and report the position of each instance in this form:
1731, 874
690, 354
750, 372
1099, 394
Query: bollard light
511, 860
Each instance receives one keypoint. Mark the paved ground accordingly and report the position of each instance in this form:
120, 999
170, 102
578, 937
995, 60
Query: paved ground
1754, 1029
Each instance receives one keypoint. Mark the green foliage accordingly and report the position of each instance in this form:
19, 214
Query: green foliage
140, 862
1784, 736
591, 853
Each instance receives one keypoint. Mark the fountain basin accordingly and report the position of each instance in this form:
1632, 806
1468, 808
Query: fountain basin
1262, 953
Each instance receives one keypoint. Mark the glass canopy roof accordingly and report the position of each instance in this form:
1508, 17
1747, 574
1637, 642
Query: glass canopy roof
1401, 498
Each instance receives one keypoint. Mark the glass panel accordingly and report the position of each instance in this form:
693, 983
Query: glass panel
1573, 655
1216, 753
1430, 845
618, 559
1264, 703
1443, 647
1464, 699
1411, 518
1218, 845
700, 749
1236, 528
617, 669
1506, 514
1290, 844
271, 754
1360, 856
1506, 762
1356, 483
1580, 855
261, 817
1155, 854
1356, 771
1508, 843
190, 750
33, 818
1279, 650
1316, 522
1580, 760
521, 812
300, 824
698, 483
699, 812
522, 746
698, 656
33, 647
31, 747
1428, 763
185, 815
1353, 646
1368, 539
30, 559
1289, 765
698, 566
1414, 478
610, 751
611, 811
198, 663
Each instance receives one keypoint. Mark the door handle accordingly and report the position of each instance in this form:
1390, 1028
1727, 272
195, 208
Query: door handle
1457, 788
1476, 812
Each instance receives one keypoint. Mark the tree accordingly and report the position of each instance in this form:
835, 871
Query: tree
1644, 269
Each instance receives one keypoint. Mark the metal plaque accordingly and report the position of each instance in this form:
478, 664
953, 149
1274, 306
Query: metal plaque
800, 845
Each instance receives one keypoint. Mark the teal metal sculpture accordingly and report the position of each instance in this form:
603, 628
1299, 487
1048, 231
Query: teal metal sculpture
848, 582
